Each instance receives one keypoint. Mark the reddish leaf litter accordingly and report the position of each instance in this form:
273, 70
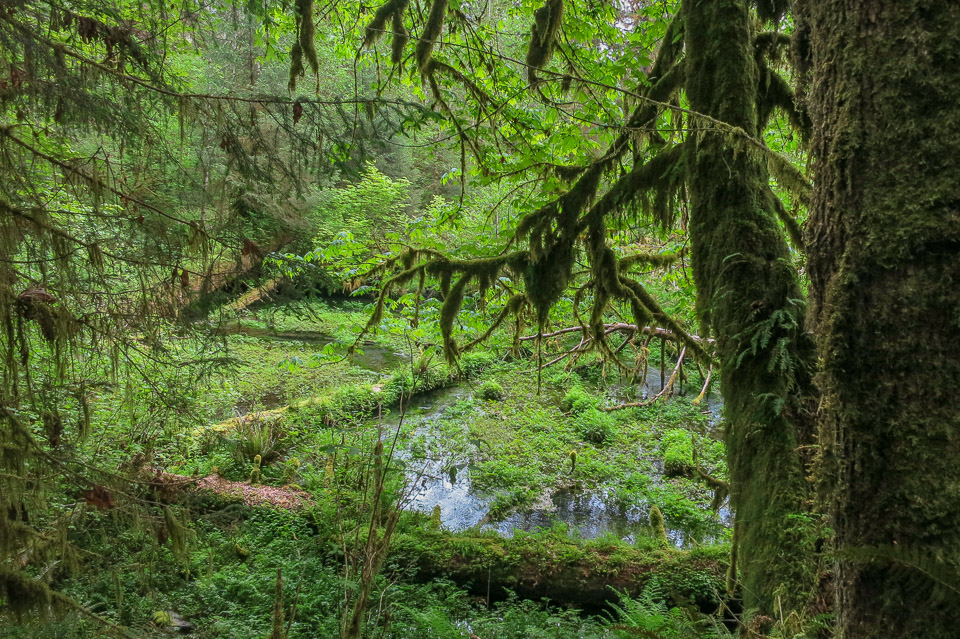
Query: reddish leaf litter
284, 497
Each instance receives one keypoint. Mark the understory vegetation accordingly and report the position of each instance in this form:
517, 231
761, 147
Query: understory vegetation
295, 417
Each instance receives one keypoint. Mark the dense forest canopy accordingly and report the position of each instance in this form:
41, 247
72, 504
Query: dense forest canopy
763, 193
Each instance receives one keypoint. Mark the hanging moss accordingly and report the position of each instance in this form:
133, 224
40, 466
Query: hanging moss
23, 594
177, 533
387, 11
392, 11
448, 314
305, 43
400, 38
543, 36
430, 34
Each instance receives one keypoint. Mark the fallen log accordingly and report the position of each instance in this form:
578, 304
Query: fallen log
585, 574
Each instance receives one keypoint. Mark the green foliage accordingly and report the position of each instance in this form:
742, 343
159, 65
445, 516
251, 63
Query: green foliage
648, 616
491, 391
257, 438
578, 400
595, 426
360, 217
161, 619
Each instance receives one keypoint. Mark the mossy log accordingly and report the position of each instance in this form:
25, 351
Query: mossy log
566, 571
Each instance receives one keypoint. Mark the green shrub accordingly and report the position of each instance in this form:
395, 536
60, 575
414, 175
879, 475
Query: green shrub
677, 447
595, 426
577, 400
475, 362
258, 437
491, 390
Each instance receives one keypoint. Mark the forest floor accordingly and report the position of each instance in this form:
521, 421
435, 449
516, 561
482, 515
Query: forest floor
505, 485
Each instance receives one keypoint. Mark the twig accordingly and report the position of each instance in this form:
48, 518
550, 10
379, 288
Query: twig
662, 393
706, 386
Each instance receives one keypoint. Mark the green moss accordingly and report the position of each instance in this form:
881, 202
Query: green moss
748, 297
657, 525
883, 263
547, 564
255, 474
491, 391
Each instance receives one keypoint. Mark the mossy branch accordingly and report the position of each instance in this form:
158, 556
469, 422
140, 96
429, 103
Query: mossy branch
431, 33
775, 93
543, 36
652, 260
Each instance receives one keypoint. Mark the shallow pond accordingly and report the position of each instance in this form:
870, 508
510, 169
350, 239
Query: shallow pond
582, 512
368, 356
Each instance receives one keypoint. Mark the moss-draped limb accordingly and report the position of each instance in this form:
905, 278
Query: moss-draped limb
789, 222
557, 232
776, 93
418, 263
748, 297
431, 33
884, 261
543, 36
305, 42
652, 260
637, 292
663, 173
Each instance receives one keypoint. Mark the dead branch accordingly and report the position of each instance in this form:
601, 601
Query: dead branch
663, 393
653, 331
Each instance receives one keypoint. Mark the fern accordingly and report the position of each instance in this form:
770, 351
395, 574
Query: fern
648, 616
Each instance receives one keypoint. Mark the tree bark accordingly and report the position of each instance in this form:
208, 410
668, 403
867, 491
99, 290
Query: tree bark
884, 244
750, 299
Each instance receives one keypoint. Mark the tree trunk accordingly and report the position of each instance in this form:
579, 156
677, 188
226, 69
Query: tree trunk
884, 242
750, 299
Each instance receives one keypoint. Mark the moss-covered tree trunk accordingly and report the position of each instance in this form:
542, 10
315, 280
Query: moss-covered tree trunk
884, 243
750, 299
